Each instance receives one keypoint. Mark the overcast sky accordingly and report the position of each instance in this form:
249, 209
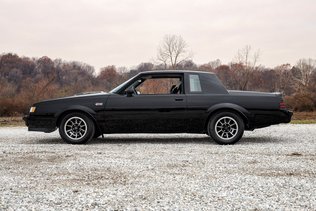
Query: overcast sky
127, 32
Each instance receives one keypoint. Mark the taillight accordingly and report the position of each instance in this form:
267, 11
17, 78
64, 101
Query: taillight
282, 105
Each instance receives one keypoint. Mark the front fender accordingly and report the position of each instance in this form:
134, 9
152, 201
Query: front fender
76, 108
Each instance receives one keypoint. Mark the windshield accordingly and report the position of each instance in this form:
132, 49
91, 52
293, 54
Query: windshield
116, 89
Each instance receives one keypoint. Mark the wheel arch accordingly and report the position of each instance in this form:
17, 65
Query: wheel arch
81, 109
222, 107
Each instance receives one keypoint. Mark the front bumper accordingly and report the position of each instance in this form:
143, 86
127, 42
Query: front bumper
45, 124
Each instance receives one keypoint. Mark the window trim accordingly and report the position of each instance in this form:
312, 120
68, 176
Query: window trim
160, 75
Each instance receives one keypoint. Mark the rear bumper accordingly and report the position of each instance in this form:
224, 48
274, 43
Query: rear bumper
267, 118
45, 124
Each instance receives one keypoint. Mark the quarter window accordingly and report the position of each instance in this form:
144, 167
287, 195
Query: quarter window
195, 85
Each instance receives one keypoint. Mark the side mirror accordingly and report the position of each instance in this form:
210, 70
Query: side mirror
129, 92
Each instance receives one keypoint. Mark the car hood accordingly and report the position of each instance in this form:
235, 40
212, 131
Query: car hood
78, 96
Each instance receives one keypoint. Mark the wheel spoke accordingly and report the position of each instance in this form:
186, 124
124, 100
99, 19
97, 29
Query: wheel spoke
226, 127
75, 128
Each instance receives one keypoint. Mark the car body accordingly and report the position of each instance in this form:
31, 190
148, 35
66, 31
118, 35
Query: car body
196, 103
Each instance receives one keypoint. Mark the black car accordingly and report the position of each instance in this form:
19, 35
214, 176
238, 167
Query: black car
160, 102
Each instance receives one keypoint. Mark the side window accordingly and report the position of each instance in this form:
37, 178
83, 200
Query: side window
195, 85
156, 86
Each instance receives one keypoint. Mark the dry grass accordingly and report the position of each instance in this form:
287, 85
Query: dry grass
303, 122
304, 118
11, 121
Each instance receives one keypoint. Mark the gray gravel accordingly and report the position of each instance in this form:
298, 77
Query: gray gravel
271, 168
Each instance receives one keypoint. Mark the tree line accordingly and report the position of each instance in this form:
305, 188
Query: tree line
24, 80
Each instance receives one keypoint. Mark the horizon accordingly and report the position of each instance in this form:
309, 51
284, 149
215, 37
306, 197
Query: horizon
129, 68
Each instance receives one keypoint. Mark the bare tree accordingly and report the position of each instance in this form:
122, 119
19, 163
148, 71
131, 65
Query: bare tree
244, 66
172, 51
303, 71
215, 63
245, 57
284, 78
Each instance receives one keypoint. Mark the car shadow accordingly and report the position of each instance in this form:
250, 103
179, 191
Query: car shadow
164, 140
259, 140
151, 140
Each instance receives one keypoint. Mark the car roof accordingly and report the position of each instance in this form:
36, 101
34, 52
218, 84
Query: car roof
173, 71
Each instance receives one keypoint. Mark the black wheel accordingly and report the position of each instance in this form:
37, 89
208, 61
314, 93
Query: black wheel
226, 127
76, 128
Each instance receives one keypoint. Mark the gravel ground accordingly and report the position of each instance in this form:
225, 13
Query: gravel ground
271, 168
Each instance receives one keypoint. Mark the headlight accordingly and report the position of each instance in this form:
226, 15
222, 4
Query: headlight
32, 109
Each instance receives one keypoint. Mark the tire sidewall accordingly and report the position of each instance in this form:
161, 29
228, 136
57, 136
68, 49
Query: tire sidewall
90, 129
211, 127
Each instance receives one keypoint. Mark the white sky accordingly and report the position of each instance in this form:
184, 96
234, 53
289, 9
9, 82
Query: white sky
127, 32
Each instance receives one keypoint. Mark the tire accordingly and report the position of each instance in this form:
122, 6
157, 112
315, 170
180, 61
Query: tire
226, 127
76, 128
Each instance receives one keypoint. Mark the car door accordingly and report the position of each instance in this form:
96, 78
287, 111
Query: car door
145, 112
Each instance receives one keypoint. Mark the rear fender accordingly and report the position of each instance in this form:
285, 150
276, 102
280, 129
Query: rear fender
246, 115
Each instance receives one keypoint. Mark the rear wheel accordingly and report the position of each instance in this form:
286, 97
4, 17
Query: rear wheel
76, 128
226, 127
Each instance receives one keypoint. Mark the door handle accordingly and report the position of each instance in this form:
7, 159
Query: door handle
178, 99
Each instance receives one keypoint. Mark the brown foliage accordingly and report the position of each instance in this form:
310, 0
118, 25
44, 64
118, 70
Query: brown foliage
109, 77
24, 81
300, 102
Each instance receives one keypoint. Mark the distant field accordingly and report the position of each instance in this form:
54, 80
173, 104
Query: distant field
304, 118
11, 121
298, 118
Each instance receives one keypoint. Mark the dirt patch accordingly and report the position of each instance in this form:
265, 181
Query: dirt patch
92, 177
295, 154
268, 173
27, 160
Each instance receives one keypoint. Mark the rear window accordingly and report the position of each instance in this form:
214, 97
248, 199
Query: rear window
195, 84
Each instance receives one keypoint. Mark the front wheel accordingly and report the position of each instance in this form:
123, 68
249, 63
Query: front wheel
76, 128
226, 127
